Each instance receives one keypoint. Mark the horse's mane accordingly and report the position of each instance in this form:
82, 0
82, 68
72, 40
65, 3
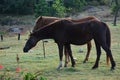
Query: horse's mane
45, 17
56, 21
45, 26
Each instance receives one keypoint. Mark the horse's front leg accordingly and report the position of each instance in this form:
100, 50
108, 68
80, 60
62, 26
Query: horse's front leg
89, 45
98, 55
68, 47
60, 47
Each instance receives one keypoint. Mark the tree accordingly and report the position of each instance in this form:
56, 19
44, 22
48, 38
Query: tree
42, 8
116, 9
74, 6
58, 8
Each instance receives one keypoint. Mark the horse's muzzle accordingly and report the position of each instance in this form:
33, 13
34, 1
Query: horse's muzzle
25, 50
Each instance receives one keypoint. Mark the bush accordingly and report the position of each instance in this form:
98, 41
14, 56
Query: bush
31, 76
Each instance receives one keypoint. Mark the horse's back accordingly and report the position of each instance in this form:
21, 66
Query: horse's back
73, 33
81, 33
89, 18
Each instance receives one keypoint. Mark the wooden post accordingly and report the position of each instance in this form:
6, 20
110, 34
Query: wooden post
1, 37
43, 48
18, 36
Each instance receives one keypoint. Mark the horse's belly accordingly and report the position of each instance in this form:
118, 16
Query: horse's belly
80, 41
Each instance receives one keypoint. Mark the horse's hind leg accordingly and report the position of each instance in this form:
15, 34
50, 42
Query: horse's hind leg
103, 43
70, 54
107, 59
98, 55
88, 51
108, 52
66, 57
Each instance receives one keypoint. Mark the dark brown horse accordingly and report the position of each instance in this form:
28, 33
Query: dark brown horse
45, 20
65, 32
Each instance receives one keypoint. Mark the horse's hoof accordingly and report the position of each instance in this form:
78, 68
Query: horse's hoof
112, 68
65, 65
73, 65
94, 67
84, 61
113, 65
58, 68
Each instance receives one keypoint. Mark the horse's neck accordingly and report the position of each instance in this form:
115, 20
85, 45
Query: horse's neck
45, 33
50, 20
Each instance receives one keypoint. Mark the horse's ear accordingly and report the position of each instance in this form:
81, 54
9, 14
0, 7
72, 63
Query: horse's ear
40, 17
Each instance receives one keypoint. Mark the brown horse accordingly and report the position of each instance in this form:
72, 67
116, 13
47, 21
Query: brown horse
45, 20
63, 31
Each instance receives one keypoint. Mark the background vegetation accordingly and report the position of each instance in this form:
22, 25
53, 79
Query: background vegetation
48, 7
58, 8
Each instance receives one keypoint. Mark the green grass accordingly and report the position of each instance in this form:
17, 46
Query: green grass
34, 61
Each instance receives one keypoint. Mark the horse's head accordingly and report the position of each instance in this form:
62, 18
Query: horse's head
31, 42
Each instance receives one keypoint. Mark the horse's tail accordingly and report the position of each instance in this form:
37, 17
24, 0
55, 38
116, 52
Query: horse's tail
108, 41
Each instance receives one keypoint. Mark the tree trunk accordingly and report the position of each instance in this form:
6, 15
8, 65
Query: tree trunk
116, 14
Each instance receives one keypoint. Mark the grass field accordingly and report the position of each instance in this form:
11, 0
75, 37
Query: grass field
34, 62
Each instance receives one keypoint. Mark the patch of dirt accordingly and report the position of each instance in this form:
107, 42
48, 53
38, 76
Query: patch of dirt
101, 12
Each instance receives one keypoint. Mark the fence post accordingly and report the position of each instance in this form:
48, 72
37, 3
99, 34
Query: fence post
18, 36
43, 48
1, 37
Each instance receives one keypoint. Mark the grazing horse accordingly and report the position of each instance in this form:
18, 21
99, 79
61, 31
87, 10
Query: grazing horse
65, 32
45, 20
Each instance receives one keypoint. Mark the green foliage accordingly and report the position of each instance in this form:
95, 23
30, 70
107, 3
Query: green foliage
42, 8
46, 9
24, 75
115, 6
74, 5
43, 78
31, 76
103, 2
58, 7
